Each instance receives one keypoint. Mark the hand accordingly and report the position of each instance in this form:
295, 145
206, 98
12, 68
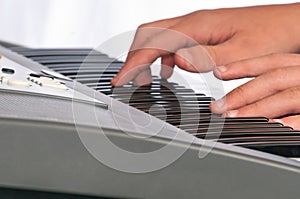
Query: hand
209, 38
274, 93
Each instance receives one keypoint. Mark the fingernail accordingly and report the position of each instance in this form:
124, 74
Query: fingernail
221, 69
115, 81
232, 113
276, 120
220, 103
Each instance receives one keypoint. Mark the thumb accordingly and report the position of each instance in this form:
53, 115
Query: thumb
194, 59
204, 58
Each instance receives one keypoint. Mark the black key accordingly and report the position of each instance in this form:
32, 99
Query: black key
289, 149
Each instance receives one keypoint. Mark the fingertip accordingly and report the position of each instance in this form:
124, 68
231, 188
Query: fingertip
194, 59
220, 72
120, 79
112, 82
115, 82
217, 74
165, 75
218, 106
183, 60
167, 66
143, 79
292, 121
166, 72
179, 59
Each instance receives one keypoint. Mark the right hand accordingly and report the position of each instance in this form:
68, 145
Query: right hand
273, 93
223, 36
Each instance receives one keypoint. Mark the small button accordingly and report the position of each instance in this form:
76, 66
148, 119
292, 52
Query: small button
47, 82
8, 71
34, 75
4, 79
18, 83
33, 79
54, 85
3, 75
48, 79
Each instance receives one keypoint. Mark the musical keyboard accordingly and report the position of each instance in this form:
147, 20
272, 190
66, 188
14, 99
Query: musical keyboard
251, 154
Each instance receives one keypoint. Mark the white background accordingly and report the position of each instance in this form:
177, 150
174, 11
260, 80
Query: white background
79, 23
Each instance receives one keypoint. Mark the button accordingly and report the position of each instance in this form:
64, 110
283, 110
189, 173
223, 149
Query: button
4, 79
8, 71
16, 82
47, 82
34, 75
33, 79
3, 75
48, 79
51, 83
54, 85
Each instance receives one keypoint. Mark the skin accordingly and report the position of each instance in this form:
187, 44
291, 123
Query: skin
246, 42
274, 93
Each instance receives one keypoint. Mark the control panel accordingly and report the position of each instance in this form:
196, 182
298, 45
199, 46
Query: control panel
16, 77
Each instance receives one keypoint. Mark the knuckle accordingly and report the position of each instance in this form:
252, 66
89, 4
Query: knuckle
254, 109
278, 76
273, 56
279, 56
293, 93
240, 93
283, 59
276, 59
255, 106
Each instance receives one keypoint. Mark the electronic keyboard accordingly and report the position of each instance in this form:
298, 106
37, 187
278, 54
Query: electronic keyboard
66, 132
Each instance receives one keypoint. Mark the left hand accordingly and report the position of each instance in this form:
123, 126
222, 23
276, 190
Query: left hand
274, 93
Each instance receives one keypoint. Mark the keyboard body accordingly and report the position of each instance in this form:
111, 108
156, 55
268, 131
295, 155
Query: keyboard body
44, 134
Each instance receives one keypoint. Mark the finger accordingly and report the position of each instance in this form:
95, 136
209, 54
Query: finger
283, 103
148, 30
258, 88
167, 66
144, 78
194, 59
292, 121
144, 33
256, 66
136, 65
204, 58
165, 43
229, 51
